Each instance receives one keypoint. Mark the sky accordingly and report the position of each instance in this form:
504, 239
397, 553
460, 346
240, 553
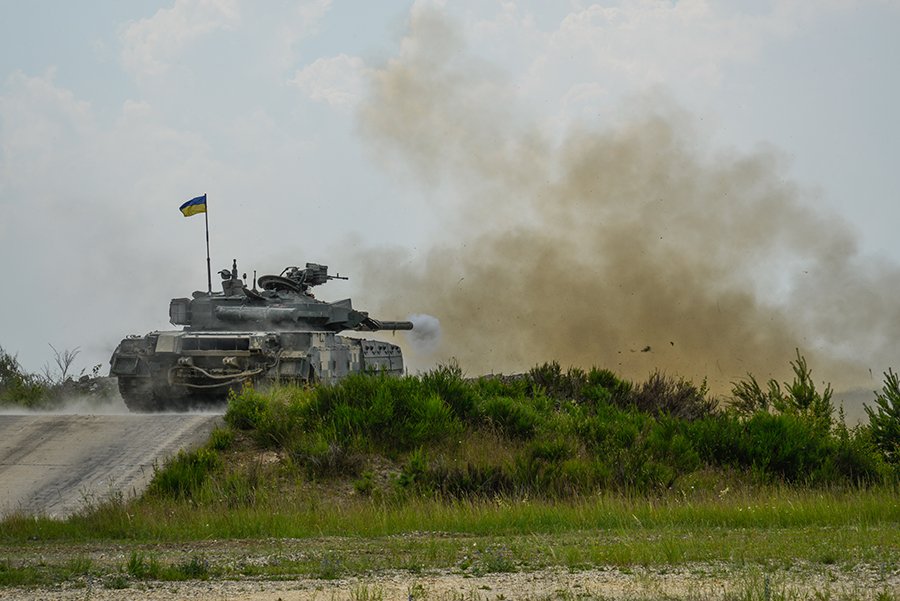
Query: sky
512, 149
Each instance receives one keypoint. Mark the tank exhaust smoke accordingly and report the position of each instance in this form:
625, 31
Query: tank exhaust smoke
595, 245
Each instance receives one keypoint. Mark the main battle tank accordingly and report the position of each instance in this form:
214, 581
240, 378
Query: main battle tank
277, 331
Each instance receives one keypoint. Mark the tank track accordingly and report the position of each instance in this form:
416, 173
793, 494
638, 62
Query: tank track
141, 396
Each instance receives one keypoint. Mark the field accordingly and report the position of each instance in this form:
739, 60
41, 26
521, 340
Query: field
554, 485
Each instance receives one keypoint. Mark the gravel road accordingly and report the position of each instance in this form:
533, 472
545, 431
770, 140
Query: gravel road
54, 464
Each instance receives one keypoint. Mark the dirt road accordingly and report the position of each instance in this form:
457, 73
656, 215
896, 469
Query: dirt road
54, 464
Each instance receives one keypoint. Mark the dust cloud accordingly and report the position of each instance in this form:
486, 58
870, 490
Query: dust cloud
109, 403
631, 246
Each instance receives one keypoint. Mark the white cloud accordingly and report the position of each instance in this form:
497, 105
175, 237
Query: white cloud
338, 80
37, 120
576, 60
150, 45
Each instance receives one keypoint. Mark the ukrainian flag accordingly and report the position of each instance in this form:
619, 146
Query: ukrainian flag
194, 206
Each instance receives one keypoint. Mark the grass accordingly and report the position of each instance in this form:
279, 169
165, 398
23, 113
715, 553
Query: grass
438, 474
777, 530
306, 514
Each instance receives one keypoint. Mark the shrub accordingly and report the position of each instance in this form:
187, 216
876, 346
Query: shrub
322, 458
884, 419
604, 386
448, 383
540, 467
799, 397
676, 397
16, 386
470, 481
512, 417
394, 414
220, 439
549, 379
283, 418
246, 408
592, 387
669, 441
786, 447
414, 475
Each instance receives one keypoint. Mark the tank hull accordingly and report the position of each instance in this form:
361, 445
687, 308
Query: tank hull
180, 370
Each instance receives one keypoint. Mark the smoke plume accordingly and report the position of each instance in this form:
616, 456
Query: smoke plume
425, 336
632, 246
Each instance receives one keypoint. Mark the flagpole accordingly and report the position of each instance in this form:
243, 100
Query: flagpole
208, 270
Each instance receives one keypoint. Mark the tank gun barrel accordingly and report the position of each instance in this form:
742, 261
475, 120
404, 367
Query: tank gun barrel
396, 325
370, 324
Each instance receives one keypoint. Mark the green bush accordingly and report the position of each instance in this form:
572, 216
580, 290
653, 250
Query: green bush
539, 469
511, 417
603, 386
16, 386
785, 447
470, 481
675, 397
323, 458
246, 409
447, 382
884, 419
560, 433
380, 411
220, 439
415, 473
798, 397
591, 387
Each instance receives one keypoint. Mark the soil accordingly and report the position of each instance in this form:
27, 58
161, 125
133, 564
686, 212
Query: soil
690, 581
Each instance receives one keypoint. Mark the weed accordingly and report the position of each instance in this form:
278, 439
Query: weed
493, 560
197, 568
79, 566
329, 567
140, 567
364, 592
116, 582
19, 576
183, 475
417, 592
220, 439
365, 484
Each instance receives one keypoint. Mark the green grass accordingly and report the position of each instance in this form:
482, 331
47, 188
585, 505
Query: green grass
310, 516
556, 470
330, 557
770, 531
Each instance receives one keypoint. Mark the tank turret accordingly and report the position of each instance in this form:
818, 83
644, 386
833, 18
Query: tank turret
275, 330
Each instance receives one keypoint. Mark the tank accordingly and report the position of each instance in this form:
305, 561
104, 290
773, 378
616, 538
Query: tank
275, 331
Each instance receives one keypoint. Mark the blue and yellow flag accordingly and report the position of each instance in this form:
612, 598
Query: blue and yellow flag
194, 206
